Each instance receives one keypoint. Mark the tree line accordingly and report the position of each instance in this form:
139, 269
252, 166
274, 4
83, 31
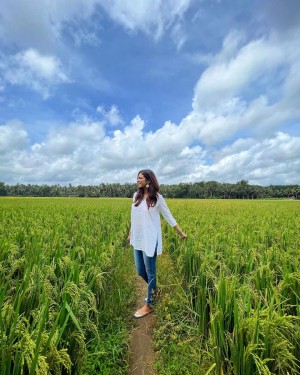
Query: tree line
198, 190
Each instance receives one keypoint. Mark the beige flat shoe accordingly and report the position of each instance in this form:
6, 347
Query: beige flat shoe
139, 315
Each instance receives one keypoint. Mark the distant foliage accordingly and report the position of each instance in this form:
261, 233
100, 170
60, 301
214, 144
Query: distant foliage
198, 190
3, 190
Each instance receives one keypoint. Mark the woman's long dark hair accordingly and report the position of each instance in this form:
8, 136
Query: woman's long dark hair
152, 190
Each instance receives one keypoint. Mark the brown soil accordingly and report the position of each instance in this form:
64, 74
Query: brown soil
141, 349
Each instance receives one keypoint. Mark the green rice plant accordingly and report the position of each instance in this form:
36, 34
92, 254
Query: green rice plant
240, 273
222, 308
63, 272
58, 265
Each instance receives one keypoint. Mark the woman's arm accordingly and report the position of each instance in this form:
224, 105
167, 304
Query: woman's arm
165, 211
128, 238
180, 232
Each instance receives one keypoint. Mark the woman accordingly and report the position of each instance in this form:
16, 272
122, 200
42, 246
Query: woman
145, 233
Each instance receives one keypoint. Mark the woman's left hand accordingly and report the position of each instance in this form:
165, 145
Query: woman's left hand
182, 235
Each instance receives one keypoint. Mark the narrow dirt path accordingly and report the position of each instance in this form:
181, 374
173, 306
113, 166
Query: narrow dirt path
141, 349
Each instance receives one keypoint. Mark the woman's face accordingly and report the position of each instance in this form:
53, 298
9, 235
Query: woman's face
142, 181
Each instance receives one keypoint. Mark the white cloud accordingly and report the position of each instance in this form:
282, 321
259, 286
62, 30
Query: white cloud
234, 148
73, 140
272, 161
112, 117
249, 90
12, 137
85, 37
13, 145
178, 35
82, 153
41, 24
252, 87
152, 17
34, 70
44, 30
225, 79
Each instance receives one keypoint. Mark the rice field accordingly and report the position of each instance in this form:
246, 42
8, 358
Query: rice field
241, 275
58, 265
64, 264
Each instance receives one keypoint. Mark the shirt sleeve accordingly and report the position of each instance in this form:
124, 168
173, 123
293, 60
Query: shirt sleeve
165, 211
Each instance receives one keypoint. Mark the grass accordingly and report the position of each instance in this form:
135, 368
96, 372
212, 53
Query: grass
177, 340
65, 277
237, 275
229, 294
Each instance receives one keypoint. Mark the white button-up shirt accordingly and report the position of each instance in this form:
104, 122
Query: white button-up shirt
145, 230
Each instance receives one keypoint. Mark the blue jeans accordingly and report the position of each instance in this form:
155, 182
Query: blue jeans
146, 268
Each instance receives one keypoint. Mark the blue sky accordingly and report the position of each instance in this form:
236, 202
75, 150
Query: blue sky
94, 91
